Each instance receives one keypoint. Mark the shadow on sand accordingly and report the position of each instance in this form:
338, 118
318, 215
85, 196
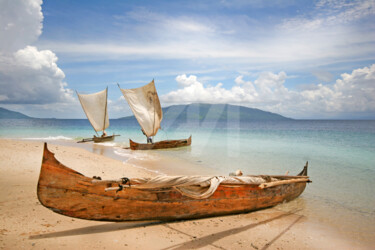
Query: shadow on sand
194, 243
210, 239
109, 227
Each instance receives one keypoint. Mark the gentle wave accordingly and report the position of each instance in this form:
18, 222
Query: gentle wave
128, 154
146, 169
108, 144
136, 155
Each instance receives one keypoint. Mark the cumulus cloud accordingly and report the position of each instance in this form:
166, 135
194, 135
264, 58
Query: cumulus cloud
194, 91
119, 108
27, 75
20, 23
30, 76
353, 92
268, 88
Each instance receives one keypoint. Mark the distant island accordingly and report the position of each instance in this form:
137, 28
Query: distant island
214, 112
8, 114
191, 112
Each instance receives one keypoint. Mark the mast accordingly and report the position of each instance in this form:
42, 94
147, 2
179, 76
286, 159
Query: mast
105, 108
154, 95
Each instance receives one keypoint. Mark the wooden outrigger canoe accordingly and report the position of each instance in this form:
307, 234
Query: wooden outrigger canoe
145, 105
98, 139
160, 144
95, 107
103, 138
68, 192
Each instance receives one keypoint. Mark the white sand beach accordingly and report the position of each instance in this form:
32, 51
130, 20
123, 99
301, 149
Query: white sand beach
26, 224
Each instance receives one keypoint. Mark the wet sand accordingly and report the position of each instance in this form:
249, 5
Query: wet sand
26, 224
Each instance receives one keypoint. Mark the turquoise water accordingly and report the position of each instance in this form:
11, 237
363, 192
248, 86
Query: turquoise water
341, 157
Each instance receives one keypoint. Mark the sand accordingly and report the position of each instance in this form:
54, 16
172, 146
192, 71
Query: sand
26, 224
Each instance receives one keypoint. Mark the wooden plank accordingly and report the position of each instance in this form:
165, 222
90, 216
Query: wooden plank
283, 182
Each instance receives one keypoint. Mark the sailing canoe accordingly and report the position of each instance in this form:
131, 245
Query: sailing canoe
95, 107
160, 144
145, 105
70, 193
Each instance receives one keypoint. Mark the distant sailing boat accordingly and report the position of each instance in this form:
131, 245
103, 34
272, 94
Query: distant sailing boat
145, 104
95, 107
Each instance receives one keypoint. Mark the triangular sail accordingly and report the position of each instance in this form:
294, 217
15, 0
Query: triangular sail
95, 107
145, 104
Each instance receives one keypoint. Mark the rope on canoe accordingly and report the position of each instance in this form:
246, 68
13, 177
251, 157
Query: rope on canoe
197, 187
200, 187
125, 180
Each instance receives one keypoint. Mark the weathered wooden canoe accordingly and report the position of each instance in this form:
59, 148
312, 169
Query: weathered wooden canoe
68, 192
104, 138
160, 144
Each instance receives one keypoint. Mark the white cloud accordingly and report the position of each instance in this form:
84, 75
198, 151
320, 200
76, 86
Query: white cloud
118, 108
324, 35
295, 48
343, 11
331, 13
266, 89
27, 75
194, 91
30, 76
184, 81
187, 25
353, 92
162, 23
20, 23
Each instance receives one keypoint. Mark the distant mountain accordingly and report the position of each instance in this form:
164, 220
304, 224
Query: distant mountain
214, 112
8, 114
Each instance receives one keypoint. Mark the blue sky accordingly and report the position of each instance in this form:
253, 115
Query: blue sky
301, 59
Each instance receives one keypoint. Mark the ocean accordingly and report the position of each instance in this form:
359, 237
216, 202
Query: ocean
341, 156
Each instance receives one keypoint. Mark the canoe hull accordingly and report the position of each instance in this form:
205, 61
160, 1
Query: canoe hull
103, 139
68, 192
160, 144
99, 139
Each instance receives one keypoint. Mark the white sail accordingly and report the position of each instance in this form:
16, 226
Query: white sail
95, 107
145, 104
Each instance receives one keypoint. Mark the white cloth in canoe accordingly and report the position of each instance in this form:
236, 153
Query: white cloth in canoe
197, 187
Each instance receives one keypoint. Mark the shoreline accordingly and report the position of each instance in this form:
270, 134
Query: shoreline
148, 160
29, 224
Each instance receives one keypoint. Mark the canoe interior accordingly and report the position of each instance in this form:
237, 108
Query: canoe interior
104, 138
160, 144
98, 139
70, 193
